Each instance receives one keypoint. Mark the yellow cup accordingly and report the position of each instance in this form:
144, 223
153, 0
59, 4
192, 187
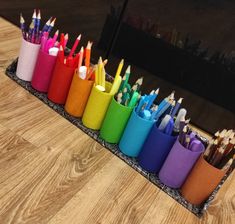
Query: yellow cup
96, 107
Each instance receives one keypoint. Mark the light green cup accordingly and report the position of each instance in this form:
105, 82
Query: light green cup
115, 122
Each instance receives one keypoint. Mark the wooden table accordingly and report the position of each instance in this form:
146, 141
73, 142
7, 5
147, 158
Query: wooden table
51, 172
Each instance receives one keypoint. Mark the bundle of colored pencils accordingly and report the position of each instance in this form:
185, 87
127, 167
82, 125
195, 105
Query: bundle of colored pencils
163, 114
147, 107
100, 76
172, 125
188, 138
127, 95
50, 45
72, 59
220, 152
34, 34
85, 71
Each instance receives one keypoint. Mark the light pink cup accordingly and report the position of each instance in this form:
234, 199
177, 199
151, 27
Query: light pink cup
27, 60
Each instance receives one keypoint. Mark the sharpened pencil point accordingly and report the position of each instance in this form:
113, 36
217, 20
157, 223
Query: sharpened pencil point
157, 91
128, 70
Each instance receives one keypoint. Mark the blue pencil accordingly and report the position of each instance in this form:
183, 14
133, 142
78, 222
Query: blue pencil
176, 108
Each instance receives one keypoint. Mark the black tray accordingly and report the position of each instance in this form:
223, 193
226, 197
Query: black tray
197, 210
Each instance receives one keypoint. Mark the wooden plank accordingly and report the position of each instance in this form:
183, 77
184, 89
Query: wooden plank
51, 172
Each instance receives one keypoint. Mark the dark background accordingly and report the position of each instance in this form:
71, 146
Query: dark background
124, 29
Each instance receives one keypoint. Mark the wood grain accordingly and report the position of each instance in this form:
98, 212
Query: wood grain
51, 172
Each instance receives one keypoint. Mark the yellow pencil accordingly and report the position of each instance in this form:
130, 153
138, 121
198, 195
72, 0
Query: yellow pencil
96, 75
100, 65
103, 77
117, 80
119, 68
116, 85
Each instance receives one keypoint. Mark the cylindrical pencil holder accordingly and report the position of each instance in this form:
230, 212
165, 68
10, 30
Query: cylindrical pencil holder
43, 71
115, 121
27, 60
201, 182
155, 150
78, 95
60, 82
134, 135
178, 164
96, 107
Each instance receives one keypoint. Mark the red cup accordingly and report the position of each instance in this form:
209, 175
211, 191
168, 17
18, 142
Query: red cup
60, 83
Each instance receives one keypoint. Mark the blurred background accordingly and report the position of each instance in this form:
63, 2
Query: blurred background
182, 45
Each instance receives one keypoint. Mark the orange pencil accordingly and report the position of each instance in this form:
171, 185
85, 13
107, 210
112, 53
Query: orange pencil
88, 55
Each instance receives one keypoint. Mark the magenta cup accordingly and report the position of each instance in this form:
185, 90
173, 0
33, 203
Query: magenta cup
43, 71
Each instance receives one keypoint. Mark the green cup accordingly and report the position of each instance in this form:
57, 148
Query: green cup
115, 122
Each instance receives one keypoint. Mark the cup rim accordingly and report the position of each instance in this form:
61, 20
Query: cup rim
137, 115
103, 93
82, 80
120, 105
211, 166
193, 152
29, 43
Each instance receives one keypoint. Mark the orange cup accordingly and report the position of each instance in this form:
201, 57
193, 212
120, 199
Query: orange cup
78, 95
201, 182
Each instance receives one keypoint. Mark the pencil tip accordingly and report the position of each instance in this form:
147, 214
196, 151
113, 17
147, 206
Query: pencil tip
66, 36
34, 14
105, 61
128, 70
180, 100
53, 22
100, 60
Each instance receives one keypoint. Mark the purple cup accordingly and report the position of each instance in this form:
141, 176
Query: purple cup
155, 150
178, 164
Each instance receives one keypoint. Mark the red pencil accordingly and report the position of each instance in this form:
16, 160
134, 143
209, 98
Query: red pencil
75, 46
66, 38
62, 40
61, 54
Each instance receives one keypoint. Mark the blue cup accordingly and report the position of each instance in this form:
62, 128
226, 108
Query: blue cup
155, 150
134, 135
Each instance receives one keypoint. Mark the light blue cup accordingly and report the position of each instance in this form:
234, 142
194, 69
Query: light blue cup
134, 135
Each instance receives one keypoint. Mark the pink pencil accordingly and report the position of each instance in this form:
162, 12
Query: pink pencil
44, 40
48, 45
75, 46
55, 37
